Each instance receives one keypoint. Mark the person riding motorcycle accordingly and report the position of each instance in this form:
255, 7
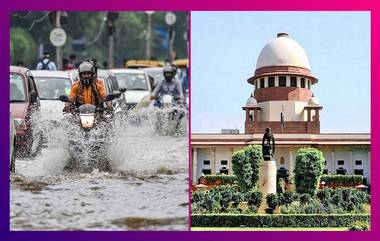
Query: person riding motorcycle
168, 86
88, 90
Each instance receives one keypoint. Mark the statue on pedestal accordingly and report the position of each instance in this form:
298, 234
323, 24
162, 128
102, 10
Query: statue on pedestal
268, 145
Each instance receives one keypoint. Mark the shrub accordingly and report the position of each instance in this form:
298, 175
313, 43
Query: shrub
272, 201
342, 180
277, 220
287, 198
308, 169
254, 199
226, 194
245, 164
305, 198
359, 226
225, 179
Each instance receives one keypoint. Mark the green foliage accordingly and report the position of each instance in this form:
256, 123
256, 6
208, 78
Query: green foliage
359, 226
342, 180
226, 198
245, 164
254, 199
226, 179
129, 36
305, 198
287, 198
308, 169
277, 220
272, 201
23, 46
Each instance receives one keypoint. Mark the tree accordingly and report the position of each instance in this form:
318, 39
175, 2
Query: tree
26, 47
245, 164
308, 170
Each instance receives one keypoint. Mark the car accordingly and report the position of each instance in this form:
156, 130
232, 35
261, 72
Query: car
12, 142
112, 86
137, 84
141, 63
156, 74
51, 85
25, 111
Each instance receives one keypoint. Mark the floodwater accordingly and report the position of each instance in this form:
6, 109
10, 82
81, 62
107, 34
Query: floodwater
147, 189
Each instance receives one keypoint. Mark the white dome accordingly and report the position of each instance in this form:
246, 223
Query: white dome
313, 101
251, 101
283, 51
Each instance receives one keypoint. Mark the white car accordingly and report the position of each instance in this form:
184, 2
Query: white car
12, 137
50, 85
137, 84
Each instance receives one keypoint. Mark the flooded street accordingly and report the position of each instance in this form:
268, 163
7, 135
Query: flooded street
147, 189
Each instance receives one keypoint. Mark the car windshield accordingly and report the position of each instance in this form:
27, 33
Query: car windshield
132, 81
50, 88
157, 75
17, 88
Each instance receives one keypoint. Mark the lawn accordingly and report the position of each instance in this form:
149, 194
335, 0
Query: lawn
265, 229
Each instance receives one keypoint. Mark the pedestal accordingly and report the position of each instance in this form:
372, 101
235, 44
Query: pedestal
267, 177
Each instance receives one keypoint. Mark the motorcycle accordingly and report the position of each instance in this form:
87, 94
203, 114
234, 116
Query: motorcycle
169, 116
89, 130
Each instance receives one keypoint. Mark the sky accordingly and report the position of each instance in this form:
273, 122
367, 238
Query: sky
225, 47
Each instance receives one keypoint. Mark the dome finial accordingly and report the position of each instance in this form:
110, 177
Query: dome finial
282, 35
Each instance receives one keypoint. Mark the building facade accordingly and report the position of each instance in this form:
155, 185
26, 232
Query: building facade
283, 100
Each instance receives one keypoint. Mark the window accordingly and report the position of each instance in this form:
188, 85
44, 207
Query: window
271, 81
341, 171
302, 83
340, 162
359, 172
223, 171
282, 161
358, 162
224, 162
308, 84
325, 171
282, 81
206, 171
206, 162
293, 81
261, 83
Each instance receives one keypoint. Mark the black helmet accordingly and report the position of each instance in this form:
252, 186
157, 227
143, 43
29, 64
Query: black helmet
168, 73
86, 67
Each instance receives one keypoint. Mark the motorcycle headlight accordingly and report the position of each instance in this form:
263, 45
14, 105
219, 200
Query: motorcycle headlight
20, 124
87, 120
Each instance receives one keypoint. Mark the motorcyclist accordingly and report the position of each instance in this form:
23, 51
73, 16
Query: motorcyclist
168, 86
88, 90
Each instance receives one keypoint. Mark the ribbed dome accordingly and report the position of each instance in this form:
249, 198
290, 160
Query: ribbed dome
251, 101
283, 51
313, 101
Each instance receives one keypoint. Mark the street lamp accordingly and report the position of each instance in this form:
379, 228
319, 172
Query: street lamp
148, 34
170, 19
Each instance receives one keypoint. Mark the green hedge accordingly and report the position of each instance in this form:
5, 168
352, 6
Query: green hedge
226, 179
277, 220
342, 180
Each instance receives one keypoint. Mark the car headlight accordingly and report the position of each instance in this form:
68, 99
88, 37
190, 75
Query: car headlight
20, 124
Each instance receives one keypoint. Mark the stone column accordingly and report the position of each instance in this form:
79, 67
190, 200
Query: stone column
195, 166
369, 166
213, 161
230, 172
291, 164
333, 164
267, 177
352, 161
